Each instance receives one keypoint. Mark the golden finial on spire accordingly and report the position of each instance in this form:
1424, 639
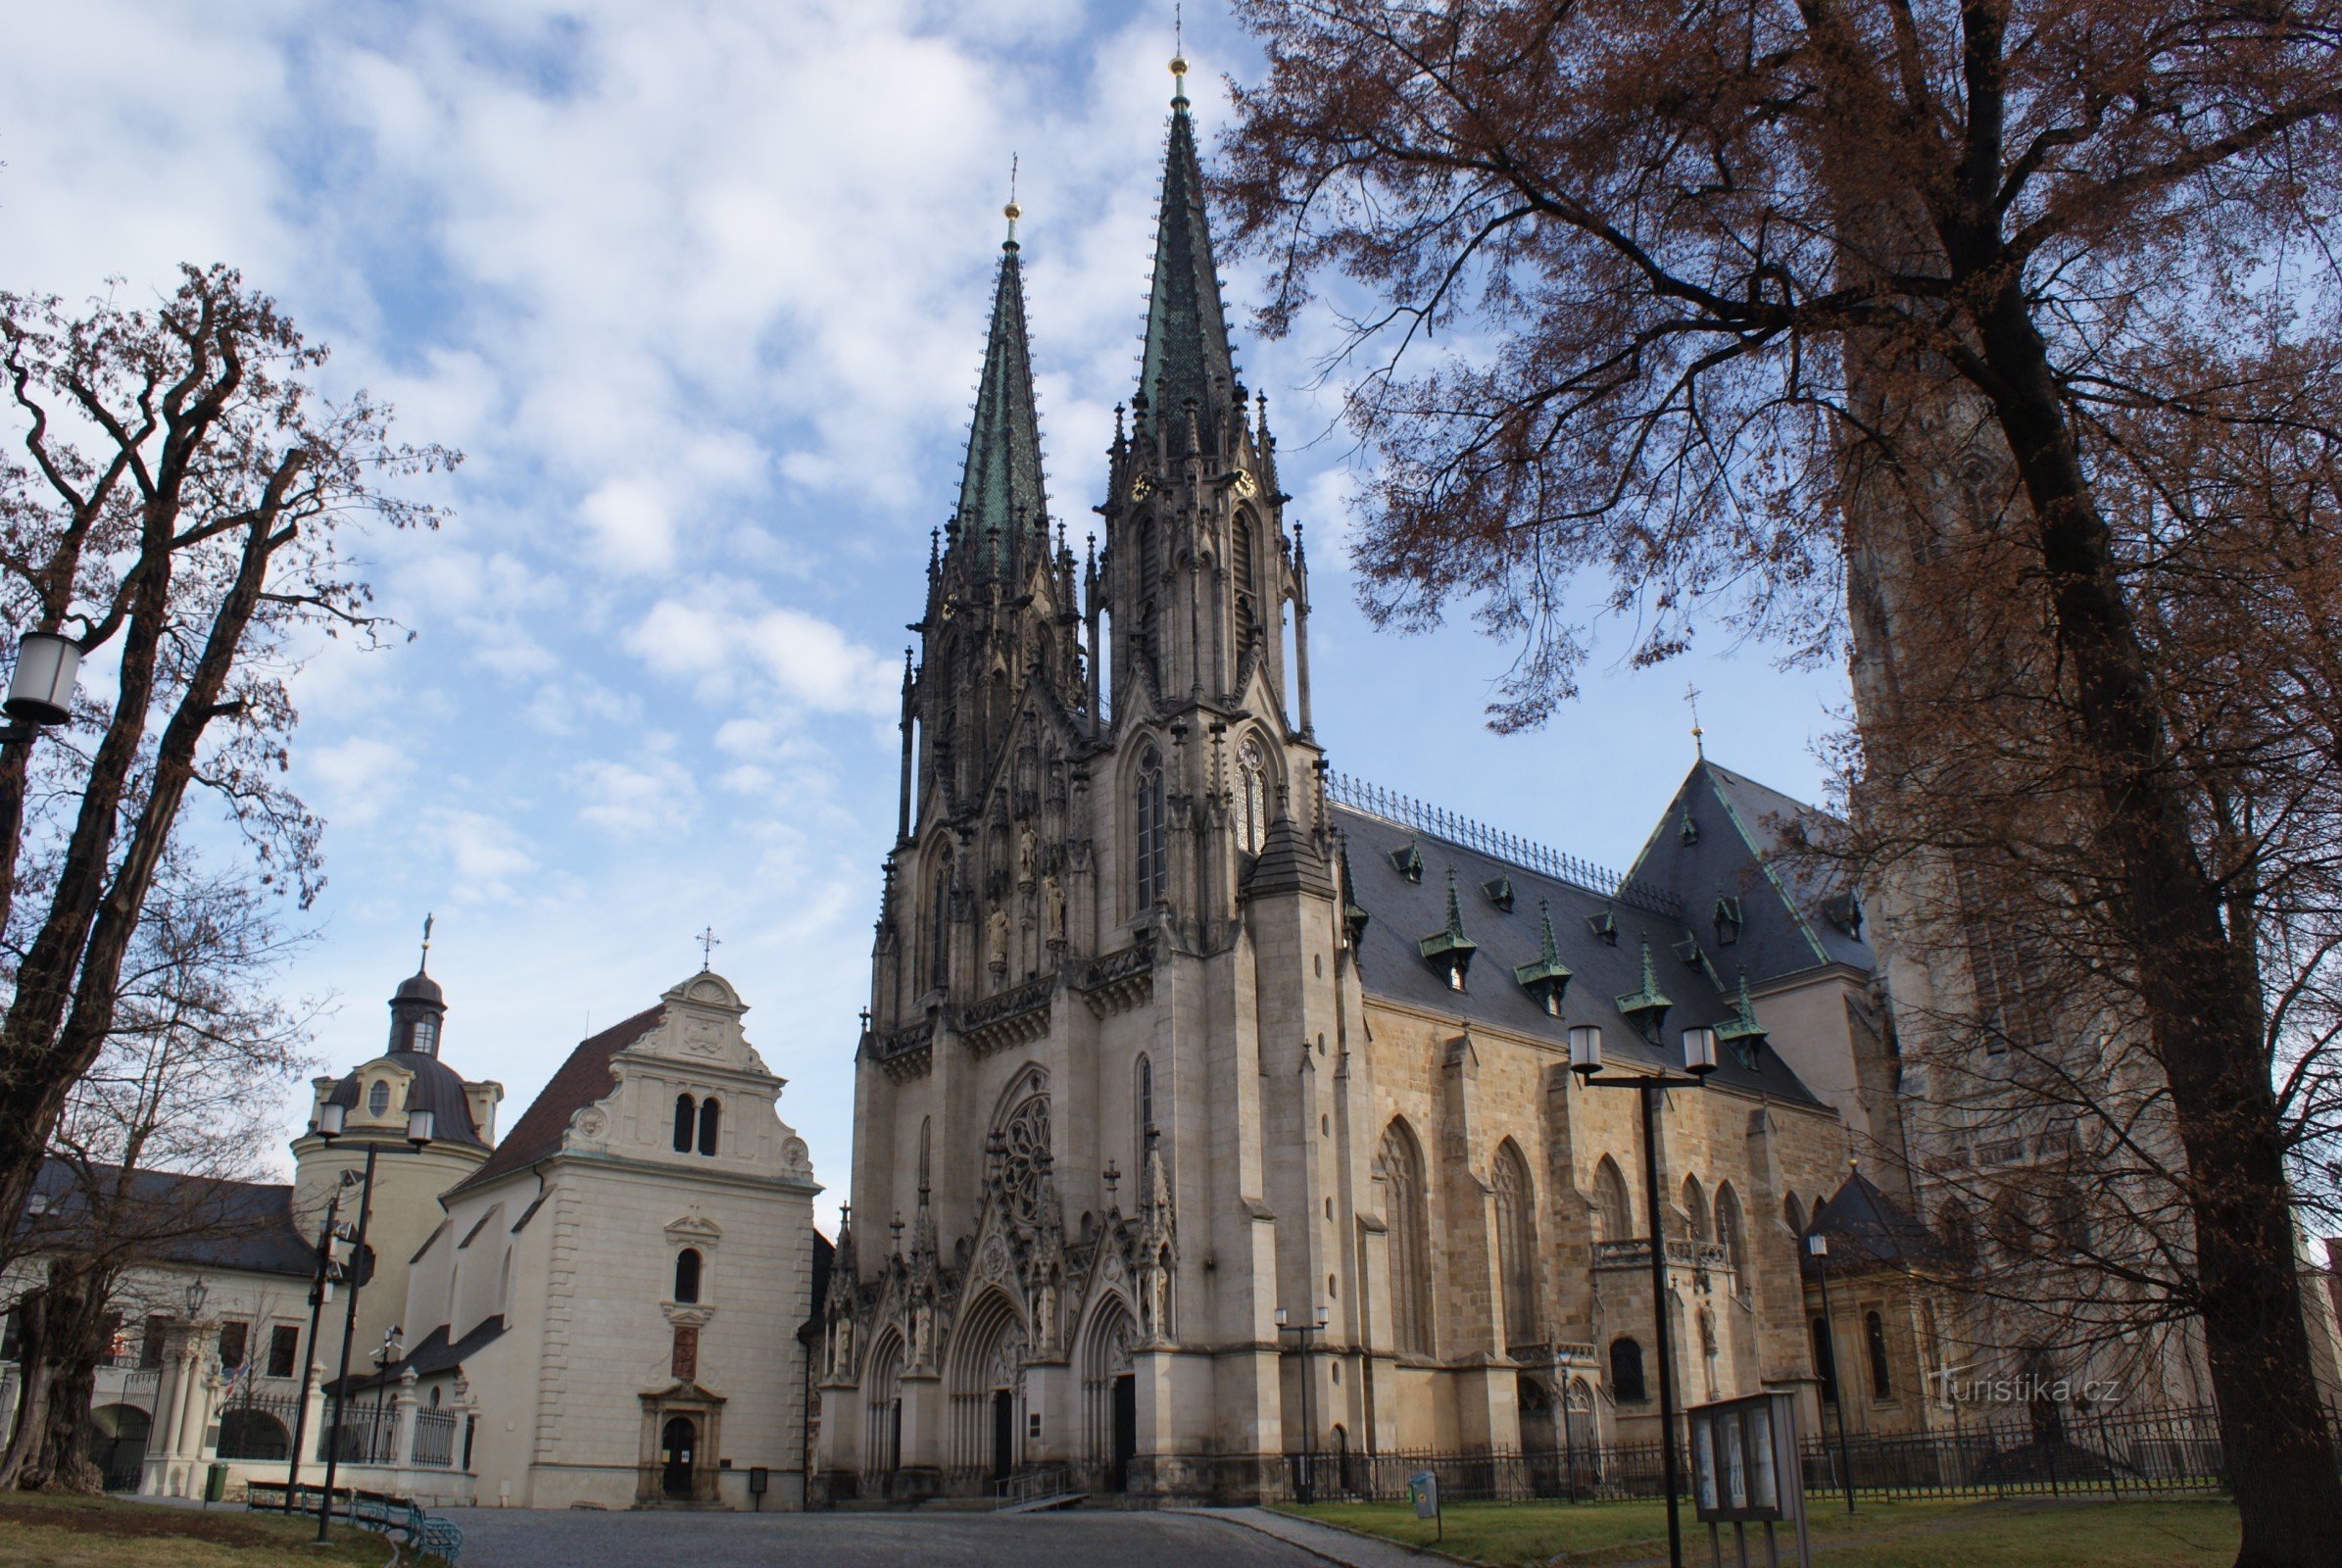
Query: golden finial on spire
1691, 696
1013, 212
423, 965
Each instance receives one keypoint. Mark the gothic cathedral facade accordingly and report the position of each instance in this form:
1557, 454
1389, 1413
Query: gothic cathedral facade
1178, 1044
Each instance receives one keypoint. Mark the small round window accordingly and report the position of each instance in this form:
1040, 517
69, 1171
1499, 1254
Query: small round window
377, 1098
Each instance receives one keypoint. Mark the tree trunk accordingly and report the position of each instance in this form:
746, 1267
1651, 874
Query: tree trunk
2204, 1024
48, 1447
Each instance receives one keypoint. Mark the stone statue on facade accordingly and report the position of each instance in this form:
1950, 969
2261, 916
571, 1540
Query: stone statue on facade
996, 939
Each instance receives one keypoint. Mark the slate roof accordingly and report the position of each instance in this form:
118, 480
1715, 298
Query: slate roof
583, 1079
1187, 355
436, 1353
1787, 905
199, 1221
437, 1088
1400, 914
1867, 1228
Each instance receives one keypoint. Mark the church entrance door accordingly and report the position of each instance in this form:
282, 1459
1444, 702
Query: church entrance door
1003, 1433
1126, 1431
676, 1442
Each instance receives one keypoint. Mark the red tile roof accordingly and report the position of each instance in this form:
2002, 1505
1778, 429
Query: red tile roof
583, 1079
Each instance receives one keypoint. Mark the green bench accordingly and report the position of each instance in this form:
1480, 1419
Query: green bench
369, 1510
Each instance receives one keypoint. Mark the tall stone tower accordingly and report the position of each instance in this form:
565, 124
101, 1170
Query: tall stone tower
1110, 830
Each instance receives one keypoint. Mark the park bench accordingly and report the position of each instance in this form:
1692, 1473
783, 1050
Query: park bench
369, 1510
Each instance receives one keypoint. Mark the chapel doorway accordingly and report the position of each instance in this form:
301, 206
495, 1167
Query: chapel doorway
1126, 1433
1003, 1433
677, 1441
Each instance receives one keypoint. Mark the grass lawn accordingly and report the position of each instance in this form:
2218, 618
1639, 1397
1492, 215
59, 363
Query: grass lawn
1932, 1533
43, 1531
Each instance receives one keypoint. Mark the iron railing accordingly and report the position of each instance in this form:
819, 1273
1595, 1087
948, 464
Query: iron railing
2056, 1454
435, 1438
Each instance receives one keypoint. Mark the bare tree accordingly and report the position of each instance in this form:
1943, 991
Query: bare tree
155, 1153
1713, 263
179, 505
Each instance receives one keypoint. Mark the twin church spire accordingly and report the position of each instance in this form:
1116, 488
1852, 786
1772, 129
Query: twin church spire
1002, 526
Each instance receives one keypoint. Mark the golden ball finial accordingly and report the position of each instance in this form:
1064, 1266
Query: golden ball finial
1179, 65
1013, 212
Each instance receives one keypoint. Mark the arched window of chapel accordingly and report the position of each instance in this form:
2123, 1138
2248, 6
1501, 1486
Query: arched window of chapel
939, 929
1695, 1208
1143, 1095
1410, 1239
710, 1125
1252, 797
1516, 1244
687, 1113
1614, 1218
1728, 1224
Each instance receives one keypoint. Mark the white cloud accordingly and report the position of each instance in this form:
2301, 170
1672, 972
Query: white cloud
651, 795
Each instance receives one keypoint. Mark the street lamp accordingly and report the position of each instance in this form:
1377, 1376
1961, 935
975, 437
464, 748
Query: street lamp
41, 692
1817, 1248
197, 1293
332, 1121
1307, 1477
1699, 1060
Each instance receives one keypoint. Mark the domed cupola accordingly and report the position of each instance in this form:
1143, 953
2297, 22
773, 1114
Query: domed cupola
416, 1011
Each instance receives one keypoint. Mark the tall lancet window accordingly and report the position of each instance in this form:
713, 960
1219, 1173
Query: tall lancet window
1153, 881
1410, 1240
1252, 797
1246, 575
939, 929
1516, 1244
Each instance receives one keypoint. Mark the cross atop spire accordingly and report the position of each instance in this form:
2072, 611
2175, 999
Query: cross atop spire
1000, 497
1188, 357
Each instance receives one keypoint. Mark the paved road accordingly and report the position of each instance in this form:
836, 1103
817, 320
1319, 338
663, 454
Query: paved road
585, 1539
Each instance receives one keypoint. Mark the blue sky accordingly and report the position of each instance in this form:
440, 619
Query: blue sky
699, 290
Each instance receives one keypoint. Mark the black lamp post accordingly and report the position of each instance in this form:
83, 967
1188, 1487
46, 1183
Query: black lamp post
1699, 1060
330, 1123
321, 1291
1817, 1248
1307, 1480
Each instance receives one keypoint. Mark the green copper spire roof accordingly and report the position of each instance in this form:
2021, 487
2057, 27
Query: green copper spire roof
1448, 951
1548, 978
1743, 1032
1001, 498
1646, 1008
1188, 356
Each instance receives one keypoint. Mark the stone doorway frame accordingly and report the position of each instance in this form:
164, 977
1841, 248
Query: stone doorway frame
705, 1411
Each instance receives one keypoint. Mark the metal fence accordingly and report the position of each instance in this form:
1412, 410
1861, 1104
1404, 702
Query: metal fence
435, 1438
363, 1438
258, 1428
2163, 1452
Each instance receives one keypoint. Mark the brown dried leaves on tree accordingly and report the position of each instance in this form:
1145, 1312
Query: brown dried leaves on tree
1704, 297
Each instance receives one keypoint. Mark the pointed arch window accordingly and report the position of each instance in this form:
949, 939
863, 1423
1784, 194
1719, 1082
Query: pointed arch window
1614, 1217
939, 930
1143, 1093
1873, 1335
1728, 1224
926, 1127
1154, 858
1252, 797
710, 1125
1410, 1240
687, 1111
1516, 1244
1695, 1208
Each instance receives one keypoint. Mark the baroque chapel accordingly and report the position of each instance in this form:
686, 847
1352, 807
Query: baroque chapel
1178, 1041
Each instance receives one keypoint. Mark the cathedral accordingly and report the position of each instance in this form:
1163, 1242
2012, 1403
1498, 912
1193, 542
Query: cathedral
1192, 1127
